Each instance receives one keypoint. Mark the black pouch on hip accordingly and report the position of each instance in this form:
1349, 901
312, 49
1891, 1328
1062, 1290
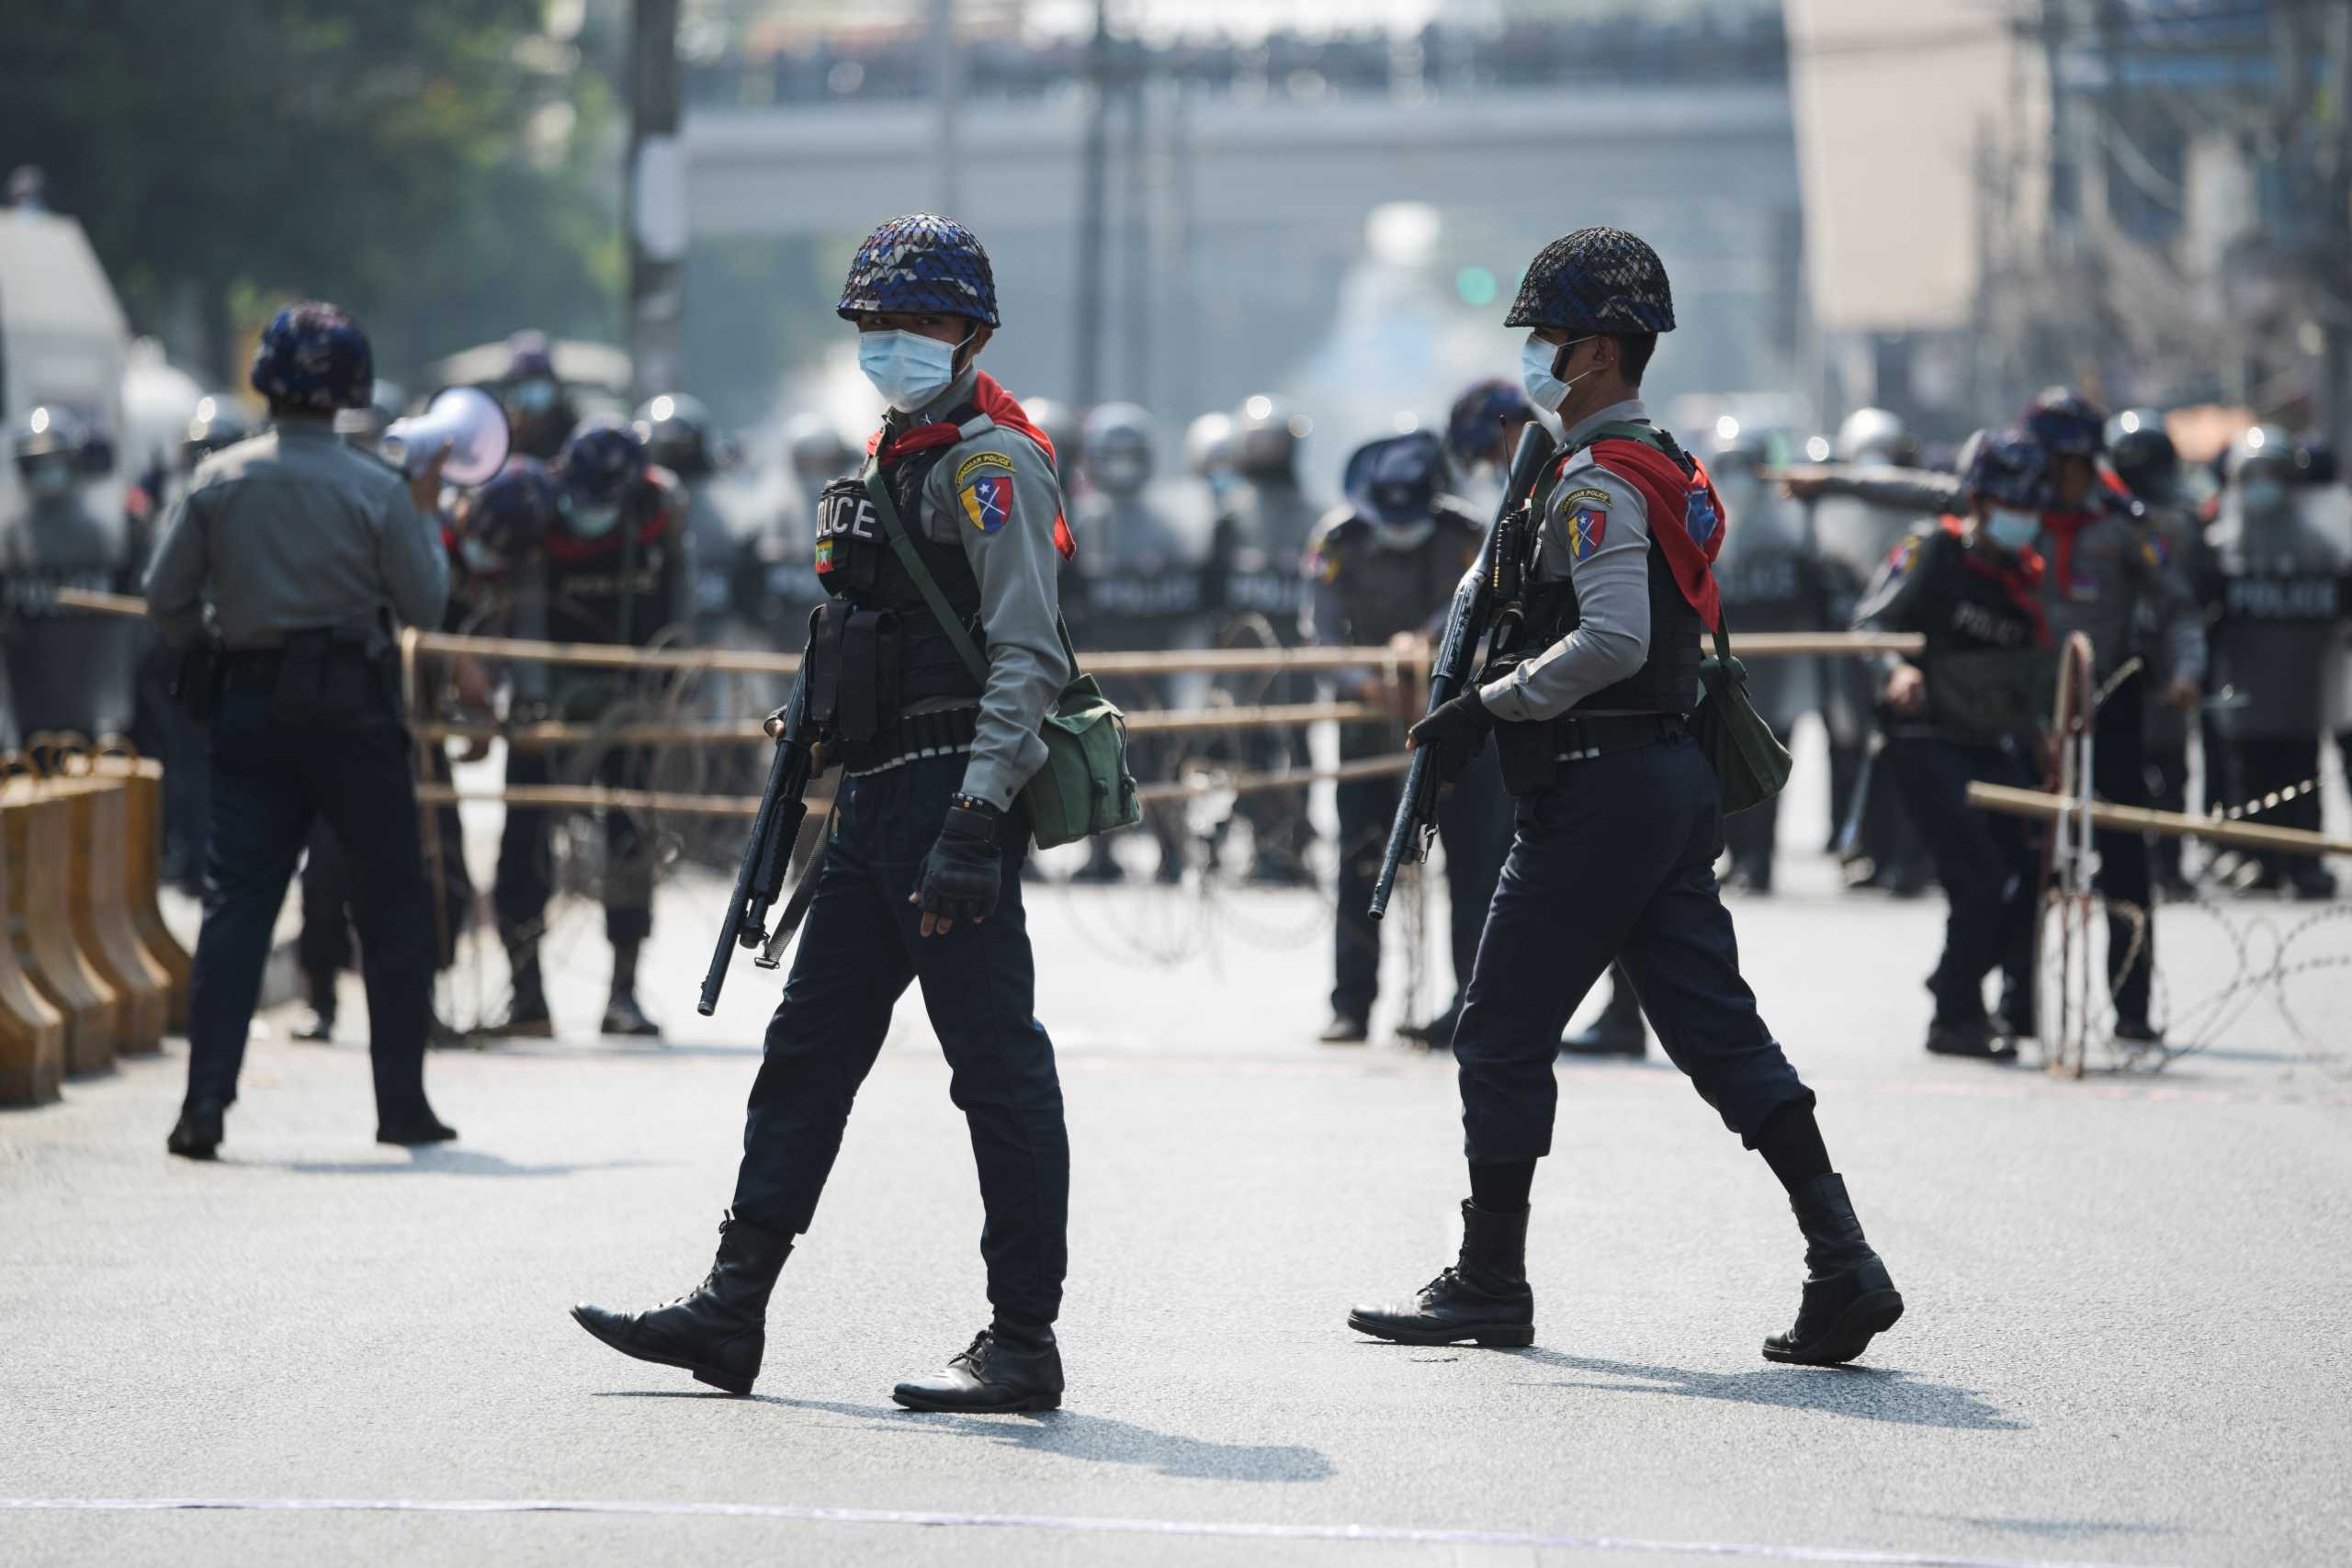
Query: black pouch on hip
854, 671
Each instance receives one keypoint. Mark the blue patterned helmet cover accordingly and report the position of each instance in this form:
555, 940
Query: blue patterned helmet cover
600, 461
1595, 280
313, 357
513, 512
1394, 481
920, 262
2011, 468
2067, 424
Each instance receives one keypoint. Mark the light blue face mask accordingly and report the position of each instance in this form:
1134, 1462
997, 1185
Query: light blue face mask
907, 368
591, 522
1536, 357
2013, 531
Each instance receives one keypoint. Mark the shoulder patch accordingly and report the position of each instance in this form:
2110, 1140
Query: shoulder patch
1588, 526
980, 462
1587, 496
987, 497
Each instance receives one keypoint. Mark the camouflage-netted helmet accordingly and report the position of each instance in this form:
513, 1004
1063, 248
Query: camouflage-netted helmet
313, 357
920, 262
1595, 280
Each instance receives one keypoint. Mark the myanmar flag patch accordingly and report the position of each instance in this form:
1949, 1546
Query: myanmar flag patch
1587, 527
988, 502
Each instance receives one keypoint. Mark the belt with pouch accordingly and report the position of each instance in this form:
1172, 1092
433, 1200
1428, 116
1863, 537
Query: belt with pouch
1581, 740
248, 667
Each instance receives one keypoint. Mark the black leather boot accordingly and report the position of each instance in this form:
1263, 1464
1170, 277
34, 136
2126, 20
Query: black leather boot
1847, 1294
197, 1133
622, 1015
1002, 1369
716, 1331
1616, 1032
1483, 1297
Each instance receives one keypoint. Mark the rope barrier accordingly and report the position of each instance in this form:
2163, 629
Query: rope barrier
2164, 824
1148, 721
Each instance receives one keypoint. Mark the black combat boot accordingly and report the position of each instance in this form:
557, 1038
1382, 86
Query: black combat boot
198, 1132
526, 1016
1004, 1368
622, 1015
1848, 1295
715, 1331
320, 1025
1618, 1031
1483, 1297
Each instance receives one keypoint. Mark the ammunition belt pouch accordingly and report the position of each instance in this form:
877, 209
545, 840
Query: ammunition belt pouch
1532, 753
911, 735
854, 671
319, 679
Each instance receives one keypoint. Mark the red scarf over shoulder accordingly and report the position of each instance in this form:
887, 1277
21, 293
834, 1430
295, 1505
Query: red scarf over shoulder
1001, 406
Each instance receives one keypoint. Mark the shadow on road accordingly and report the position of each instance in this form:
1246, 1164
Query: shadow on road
448, 1161
1098, 1439
1866, 1394
2053, 1530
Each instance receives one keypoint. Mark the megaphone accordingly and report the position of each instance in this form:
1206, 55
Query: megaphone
466, 422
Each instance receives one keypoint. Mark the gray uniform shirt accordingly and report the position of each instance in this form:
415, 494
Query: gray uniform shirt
1612, 582
294, 530
2119, 574
1018, 568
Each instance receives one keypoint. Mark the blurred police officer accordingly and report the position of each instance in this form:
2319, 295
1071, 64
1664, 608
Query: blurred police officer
1255, 547
1384, 565
613, 571
1482, 431
541, 414
2276, 592
1619, 822
1064, 431
1769, 581
1137, 591
364, 426
2142, 455
67, 670
683, 439
920, 881
303, 557
1967, 709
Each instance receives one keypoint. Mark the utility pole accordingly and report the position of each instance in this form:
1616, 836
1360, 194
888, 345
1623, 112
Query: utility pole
1085, 388
1139, 197
656, 201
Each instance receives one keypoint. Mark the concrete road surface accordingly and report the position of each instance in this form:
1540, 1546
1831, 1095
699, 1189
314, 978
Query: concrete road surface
2126, 1340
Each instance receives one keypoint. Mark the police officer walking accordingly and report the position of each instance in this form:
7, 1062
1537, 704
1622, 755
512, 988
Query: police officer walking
300, 554
1383, 565
921, 880
1619, 825
1965, 710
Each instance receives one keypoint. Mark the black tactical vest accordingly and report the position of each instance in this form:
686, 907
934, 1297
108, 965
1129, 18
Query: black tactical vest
1667, 680
857, 565
1988, 662
1384, 590
614, 588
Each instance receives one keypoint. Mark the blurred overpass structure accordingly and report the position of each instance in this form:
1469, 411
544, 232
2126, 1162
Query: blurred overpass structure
1239, 229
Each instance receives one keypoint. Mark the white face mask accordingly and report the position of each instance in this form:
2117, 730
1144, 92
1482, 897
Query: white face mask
1536, 357
907, 368
1404, 536
2262, 498
2013, 531
49, 478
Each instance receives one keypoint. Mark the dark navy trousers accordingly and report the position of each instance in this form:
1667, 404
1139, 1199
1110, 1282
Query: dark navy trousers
1614, 862
858, 954
270, 781
1990, 866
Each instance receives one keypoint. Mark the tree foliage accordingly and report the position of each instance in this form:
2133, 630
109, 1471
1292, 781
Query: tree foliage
225, 156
